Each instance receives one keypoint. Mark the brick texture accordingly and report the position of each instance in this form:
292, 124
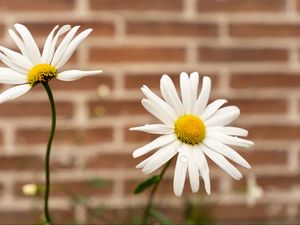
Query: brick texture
249, 48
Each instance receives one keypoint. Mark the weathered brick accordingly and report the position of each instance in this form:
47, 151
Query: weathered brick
274, 132
85, 84
258, 30
111, 161
136, 54
141, 5
237, 6
35, 109
138, 136
279, 182
108, 107
260, 106
100, 28
265, 157
39, 5
152, 80
29, 162
158, 29
64, 136
233, 54
265, 80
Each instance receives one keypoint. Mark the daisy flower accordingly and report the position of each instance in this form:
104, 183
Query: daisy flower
192, 129
30, 67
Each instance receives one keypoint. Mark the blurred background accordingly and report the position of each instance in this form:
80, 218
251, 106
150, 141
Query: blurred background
251, 50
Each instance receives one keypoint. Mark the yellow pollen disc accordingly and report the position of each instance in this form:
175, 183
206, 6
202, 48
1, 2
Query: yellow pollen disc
41, 73
190, 129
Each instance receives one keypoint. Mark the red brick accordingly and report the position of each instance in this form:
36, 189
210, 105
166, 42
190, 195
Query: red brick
41, 5
134, 81
112, 161
100, 28
265, 157
253, 30
157, 29
136, 54
25, 162
35, 109
66, 136
32, 216
265, 80
85, 84
231, 54
274, 132
279, 182
138, 136
260, 106
116, 107
237, 6
141, 5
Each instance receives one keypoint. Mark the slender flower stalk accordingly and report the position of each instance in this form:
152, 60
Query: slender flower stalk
47, 156
148, 207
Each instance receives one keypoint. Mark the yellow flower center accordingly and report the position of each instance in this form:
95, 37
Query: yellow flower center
190, 129
41, 73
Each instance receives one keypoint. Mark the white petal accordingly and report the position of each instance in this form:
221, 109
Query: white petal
158, 101
222, 162
170, 95
63, 45
157, 143
186, 94
31, 47
17, 58
226, 151
18, 42
161, 157
180, 170
229, 140
51, 49
194, 82
212, 108
14, 92
203, 96
223, 116
193, 172
235, 131
9, 76
157, 112
11, 64
202, 164
47, 45
154, 129
71, 75
72, 47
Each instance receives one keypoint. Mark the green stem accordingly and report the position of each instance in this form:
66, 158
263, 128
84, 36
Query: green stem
148, 208
47, 157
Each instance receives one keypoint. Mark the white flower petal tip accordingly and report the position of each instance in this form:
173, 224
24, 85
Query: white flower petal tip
71, 75
14, 92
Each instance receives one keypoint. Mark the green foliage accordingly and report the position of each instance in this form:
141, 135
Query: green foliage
146, 184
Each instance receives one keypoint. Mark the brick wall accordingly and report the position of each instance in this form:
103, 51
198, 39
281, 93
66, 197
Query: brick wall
250, 48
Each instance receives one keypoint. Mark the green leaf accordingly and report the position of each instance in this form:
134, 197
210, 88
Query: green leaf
160, 217
146, 184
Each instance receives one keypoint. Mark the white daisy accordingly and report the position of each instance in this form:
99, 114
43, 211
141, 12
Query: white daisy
192, 129
30, 67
